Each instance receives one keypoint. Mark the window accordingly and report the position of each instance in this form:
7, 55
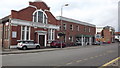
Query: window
85, 29
77, 28
39, 16
64, 26
89, 30
71, 38
51, 34
25, 33
35, 17
71, 27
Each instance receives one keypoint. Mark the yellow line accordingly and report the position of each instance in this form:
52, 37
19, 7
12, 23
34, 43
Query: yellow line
78, 60
69, 63
96, 56
109, 62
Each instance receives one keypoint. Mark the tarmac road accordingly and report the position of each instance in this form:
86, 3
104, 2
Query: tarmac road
85, 56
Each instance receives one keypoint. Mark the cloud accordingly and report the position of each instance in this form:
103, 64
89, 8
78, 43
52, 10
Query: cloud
98, 12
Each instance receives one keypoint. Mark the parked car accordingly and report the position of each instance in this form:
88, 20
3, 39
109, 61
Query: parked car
96, 43
27, 44
57, 44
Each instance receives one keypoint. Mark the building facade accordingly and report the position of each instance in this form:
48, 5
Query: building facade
108, 33
37, 23
76, 31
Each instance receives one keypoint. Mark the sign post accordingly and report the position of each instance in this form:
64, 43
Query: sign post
61, 34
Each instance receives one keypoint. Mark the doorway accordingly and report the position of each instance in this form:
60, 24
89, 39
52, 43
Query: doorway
42, 40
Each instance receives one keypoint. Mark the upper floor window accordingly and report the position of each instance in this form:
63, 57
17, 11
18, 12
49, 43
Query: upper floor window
71, 27
77, 28
40, 16
89, 30
85, 29
64, 26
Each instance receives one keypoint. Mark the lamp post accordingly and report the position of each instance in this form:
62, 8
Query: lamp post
61, 19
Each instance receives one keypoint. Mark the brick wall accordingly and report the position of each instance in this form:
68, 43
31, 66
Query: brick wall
75, 32
27, 13
107, 35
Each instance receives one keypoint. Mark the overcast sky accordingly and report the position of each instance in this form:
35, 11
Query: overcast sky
98, 12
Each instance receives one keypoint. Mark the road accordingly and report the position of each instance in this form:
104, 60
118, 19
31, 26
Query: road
85, 56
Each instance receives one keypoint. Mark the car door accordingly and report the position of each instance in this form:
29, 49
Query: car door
32, 45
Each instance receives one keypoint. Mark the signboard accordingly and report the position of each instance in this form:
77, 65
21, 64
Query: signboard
14, 34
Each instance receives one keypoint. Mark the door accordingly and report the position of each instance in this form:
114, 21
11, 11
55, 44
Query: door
31, 45
42, 40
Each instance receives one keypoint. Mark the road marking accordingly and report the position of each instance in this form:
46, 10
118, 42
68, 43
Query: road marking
96, 56
91, 57
69, 63
85, 59
78, 61
110, 62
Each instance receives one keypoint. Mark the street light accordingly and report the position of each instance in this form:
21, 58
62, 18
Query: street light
62, 13
61, 19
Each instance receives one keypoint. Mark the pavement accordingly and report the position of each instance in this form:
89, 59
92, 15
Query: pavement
16, 51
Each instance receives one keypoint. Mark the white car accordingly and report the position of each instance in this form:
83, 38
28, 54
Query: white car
27, 44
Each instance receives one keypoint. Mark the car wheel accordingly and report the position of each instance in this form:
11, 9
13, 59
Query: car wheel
37, 47
24, 48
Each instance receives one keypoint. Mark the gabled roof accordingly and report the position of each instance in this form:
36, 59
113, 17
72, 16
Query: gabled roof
4, 19
74, 21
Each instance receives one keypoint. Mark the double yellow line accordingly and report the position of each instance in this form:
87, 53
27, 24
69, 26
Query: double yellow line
107, 64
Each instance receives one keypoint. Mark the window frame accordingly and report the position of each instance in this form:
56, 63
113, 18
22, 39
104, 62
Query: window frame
51, 34
85, 29
64, 26
43, 17
71, 27
89, 30
25, 32
77, 27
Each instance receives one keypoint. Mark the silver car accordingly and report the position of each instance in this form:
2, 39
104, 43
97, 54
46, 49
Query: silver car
27, 44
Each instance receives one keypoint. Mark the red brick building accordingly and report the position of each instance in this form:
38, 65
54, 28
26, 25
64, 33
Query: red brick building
108, 33
77, 31
37, 23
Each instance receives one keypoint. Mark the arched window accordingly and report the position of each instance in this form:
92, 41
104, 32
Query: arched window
40, 16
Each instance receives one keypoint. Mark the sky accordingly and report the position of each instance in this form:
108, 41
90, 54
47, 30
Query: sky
98, 12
